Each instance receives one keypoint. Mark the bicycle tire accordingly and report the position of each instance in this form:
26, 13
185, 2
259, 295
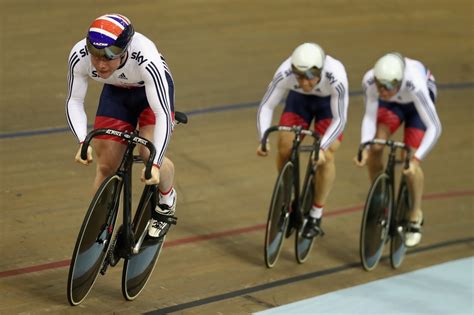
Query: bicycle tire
93, 240
304, 245
375, 221
397, 243
138, 268
278, 214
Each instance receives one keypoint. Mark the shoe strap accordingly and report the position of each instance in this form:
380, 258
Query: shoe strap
413, 227
170, 219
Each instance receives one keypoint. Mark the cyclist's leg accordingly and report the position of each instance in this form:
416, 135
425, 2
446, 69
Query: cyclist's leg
285, 143
413, 135
167, 195
415, 185
297, 112
374, 158
109, 154
326, 171
326, 175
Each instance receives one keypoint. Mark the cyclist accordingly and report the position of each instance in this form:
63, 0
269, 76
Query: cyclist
138, 90
401, 90
317, 89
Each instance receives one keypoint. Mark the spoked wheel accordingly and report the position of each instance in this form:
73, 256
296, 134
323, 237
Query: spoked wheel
93, 240
304, 245
397, 244
278, 215
138, 268
375, 222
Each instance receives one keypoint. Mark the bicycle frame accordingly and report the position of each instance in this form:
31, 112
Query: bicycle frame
299, 132
391, 161
124, 172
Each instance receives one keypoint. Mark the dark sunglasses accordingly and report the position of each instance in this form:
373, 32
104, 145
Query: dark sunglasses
111, 52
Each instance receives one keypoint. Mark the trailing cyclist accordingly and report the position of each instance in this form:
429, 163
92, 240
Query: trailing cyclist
401, 90
317, 88
138, 91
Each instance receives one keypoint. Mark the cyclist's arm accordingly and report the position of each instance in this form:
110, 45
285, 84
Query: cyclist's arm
369, 122
77, 89
427, 112
157, 93
271, 99
339, 105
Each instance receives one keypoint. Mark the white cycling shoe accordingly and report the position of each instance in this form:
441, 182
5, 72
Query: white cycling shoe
413, 233
158, 228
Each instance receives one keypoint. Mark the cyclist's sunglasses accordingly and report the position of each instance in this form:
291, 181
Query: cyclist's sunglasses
387, 85
308, 74
111, 52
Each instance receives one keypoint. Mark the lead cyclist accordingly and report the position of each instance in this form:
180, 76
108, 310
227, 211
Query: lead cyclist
138, 92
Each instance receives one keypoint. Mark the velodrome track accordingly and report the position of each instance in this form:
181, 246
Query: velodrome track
222, 56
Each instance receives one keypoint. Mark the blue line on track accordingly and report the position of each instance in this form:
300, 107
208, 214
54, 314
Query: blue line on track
209, 110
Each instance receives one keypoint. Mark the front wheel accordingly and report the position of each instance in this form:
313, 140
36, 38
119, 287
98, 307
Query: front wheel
137, 269
375, 221
278, 214
304, 245
93, 240
397, 244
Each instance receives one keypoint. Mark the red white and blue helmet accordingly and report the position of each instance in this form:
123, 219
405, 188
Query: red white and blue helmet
109, 36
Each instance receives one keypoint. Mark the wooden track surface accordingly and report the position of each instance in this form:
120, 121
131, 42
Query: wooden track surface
221, 53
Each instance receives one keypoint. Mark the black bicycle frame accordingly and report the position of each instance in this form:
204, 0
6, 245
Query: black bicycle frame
125, 173
294, 156
391, 161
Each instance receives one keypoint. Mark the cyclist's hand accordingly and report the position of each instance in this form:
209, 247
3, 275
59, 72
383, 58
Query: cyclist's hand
411, 170
321, 157
155, 176
260, 152
89, 156
363, 161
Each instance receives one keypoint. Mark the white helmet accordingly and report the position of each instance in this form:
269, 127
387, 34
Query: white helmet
390, 68
306, 57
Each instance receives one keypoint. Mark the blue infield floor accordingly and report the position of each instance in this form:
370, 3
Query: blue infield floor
442, 289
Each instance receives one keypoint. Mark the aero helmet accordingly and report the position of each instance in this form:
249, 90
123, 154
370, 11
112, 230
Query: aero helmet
388, 71
307, 60
109, 36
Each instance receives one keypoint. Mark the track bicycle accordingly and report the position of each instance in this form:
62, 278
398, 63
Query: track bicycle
96, 248
384, 217
288, 208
